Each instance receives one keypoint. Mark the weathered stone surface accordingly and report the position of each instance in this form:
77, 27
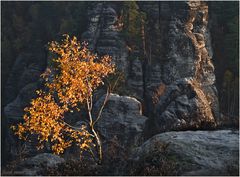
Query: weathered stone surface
135, 79
181, 107
165, 79
13, 113
14, 110
121, 117
177, 67
11, 88
33, 166
170, 58
26, 69
104, 36
196, 152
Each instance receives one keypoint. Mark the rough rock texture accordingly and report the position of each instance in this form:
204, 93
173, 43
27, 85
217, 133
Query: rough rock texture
14, 110
121, 117
121, 128
26, 69
181, 107
178, 50
103, 35
13, 113
33, 166
177, 64
135, 79
175, 80
19, 90
196, 152
179, 88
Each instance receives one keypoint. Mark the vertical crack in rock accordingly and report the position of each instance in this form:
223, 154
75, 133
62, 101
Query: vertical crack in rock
201, 53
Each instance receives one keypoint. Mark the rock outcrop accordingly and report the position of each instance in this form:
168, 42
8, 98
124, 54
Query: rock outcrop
181, 94
14, 110
33, 166
13, 113
135, 79
174, 80
22, 83
122, 119
177, 64
178, 51
26, 70
192, 152
103, 35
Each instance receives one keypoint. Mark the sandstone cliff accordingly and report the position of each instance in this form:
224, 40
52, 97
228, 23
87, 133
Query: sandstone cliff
173, 78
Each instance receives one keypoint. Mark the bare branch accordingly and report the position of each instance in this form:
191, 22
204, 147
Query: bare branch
115, 83
93, 156
91, 102
103, 105
76, 128
89, 113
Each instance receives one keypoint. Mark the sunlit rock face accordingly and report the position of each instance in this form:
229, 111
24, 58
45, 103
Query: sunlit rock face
175, 80
179, 76
190, 98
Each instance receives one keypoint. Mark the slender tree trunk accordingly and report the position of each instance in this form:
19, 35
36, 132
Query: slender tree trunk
91, 123
99, 144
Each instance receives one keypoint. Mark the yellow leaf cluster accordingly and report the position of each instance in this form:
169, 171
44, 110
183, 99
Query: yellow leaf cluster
77, 74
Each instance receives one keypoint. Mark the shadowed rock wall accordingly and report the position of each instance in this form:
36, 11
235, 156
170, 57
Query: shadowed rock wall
174, 81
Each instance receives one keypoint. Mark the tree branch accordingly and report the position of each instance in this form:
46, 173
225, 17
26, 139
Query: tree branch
76, 128
103, 105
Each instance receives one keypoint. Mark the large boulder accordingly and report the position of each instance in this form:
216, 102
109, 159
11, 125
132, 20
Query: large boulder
121, 118
190, 153
182, 106
121, 129
35, 165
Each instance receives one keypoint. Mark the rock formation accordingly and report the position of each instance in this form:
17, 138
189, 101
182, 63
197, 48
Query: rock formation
35, 165
171, 153
193, 153
121, 118
174, 80
187, 101
103, 36
169, 85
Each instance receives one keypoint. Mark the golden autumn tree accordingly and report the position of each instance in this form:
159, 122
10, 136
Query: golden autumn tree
70, 83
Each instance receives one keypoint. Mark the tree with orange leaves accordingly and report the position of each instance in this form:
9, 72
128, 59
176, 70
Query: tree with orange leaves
76, 74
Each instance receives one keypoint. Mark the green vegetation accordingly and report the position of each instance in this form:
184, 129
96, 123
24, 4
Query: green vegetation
133, 24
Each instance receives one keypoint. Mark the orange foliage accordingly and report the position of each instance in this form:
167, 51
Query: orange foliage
77, 73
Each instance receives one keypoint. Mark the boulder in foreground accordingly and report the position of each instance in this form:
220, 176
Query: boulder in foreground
189, 153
